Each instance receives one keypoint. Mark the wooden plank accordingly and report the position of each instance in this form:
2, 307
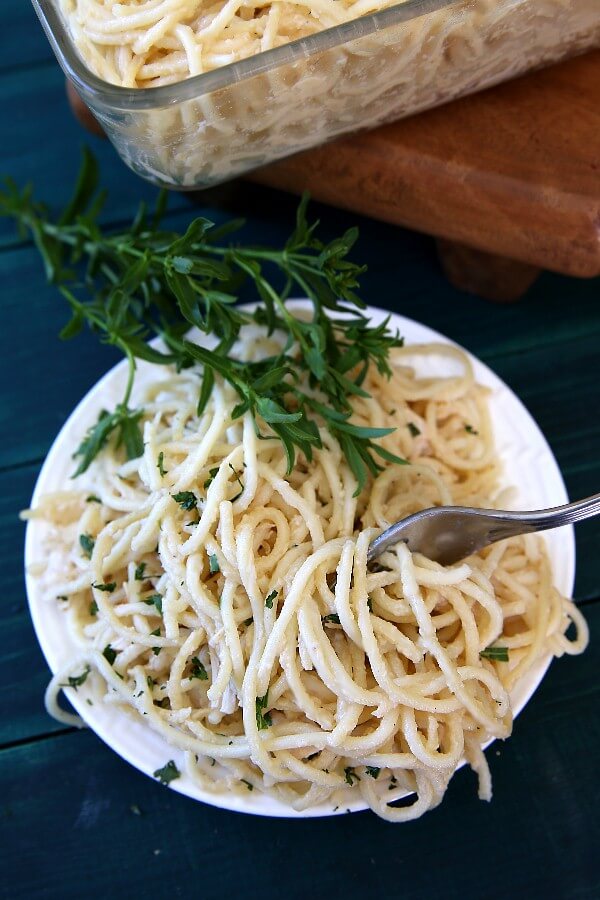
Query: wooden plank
22, 40
66, 807
23, 671
36, 103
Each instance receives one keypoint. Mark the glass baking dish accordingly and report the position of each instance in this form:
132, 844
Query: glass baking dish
375, 69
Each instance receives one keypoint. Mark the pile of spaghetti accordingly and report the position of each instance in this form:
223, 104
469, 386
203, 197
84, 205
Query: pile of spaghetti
229, 606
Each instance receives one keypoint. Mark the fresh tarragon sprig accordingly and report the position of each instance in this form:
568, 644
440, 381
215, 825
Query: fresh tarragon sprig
146, 281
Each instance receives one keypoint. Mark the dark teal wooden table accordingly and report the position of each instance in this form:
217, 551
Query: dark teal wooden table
78, 822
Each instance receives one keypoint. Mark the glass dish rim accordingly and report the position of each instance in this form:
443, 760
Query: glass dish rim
131, 99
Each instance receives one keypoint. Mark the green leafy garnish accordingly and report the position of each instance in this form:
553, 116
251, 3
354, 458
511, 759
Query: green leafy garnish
350, 775
470, 429
413, 429
239, 481
109, 588
154, 600
373, 771
160, 464
109, 654
198, 670
263, 720
211, 476
156, 633
139, 571
146, 280
186, 499
87, 542
213, 562
269, 600
93, 608
331, 619
500, 654
93, 499
76, 681
247, 783
168, 773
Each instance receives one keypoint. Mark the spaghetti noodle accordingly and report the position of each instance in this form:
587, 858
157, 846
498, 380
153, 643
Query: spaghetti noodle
229, 605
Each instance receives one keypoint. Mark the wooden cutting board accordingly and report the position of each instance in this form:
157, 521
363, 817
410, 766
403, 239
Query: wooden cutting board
508, 178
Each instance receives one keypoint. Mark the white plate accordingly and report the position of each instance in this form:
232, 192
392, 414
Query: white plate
529, 465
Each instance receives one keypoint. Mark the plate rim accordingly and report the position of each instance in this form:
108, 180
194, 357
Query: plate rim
234, 802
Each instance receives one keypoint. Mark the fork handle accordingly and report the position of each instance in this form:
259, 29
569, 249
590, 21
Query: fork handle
543, 519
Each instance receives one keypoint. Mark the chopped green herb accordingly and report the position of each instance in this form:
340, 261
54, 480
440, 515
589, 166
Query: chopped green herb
263, 720
88, 701
269, 600
500, 654
198, 670
239, 481
351, 776
109, 654
93, 499
470, 429
150, 681
93, 608
165, 703
413, 429
87, 544
76, 681
154, 600
186, 499
168, 773
109, 588
331, 619
213, 473
393, 783
373, 771
213, 561
63, 597
247, 783
139, 571
160, 464
248, 621
312, 756
156, 633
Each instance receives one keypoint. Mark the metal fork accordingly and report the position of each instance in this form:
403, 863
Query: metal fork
447, 534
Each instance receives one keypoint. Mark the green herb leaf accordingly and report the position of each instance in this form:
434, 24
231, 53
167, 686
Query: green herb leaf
109, 588
109, 654
186, 499
160, 464
168, 773
212, 475
154, 600
373, 771
213, 563
93, 499
470, 429
500, 654
247, 783
413, 429
350, 776
87, 542
331, 619
269, 600
139, 571
93, 608
76, 681
198, 670
263, 720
